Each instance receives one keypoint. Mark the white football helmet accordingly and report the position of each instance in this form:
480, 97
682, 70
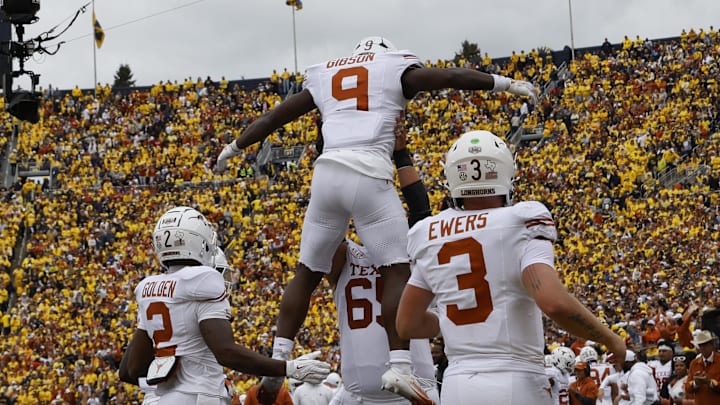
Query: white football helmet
293, 384
230, 275
373, 45
479, 164
564, 358
588, 354
183, 233
333, 381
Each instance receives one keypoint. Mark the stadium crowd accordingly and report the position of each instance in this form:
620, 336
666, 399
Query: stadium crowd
636, 244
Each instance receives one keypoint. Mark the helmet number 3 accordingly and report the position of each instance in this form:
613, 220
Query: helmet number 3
474, 280
476, 169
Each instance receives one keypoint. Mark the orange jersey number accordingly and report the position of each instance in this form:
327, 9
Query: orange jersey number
564, 397
164, 334
364, 304
474, 280
359, 92
595, 375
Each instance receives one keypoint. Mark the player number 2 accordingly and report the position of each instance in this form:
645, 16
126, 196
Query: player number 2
359, 92
474, 280
164, 334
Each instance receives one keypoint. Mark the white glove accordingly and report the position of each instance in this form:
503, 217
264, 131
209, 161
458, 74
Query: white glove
307, 369
229, 151
523, 88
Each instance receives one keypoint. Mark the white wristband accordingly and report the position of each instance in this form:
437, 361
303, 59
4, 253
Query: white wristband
501, 83
282, 348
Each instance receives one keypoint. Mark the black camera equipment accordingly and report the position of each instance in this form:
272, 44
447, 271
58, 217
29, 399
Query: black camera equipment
22, 104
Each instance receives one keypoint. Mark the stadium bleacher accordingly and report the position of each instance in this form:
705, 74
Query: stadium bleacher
623, 149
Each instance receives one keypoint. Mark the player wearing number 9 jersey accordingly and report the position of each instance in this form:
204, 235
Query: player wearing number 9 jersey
490, 266
359, 97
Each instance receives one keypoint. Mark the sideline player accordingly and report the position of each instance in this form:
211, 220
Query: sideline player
662, 367
598, 372
560, 374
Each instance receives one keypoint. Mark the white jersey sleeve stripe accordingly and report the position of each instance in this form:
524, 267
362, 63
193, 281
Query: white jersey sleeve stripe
219, 298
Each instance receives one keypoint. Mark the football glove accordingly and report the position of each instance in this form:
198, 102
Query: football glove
523, 88
405, 385
228, 151
307, 369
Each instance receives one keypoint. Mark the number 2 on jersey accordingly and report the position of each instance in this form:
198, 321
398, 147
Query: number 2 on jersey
359, 92
164, 334
474, 280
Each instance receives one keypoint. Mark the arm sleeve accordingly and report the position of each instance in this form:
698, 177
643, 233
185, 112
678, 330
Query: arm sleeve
141, 319
585, 400
142, 323
213, 310
538, 251
607, 381
684, 334
665, 389
417, 201
418, 280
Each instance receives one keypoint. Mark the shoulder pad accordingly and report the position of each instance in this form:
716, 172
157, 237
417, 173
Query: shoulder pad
408, 57
538, 220
202, 283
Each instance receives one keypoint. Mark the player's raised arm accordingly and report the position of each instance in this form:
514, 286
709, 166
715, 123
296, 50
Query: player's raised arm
419, 79
290, 109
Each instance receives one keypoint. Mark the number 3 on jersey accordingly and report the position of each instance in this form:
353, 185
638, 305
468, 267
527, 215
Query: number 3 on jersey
474, 280
359, 92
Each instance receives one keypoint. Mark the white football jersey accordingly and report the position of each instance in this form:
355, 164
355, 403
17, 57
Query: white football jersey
560, 385
616, 379
149, 395
363, 341
622, 381
312, 394
661, 372
472, 261
170, 309
599, 372
360, 98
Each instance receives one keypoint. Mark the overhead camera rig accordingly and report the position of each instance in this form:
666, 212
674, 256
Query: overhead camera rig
21, 104
24, 104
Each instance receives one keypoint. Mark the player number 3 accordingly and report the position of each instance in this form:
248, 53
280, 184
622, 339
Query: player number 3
474, 280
